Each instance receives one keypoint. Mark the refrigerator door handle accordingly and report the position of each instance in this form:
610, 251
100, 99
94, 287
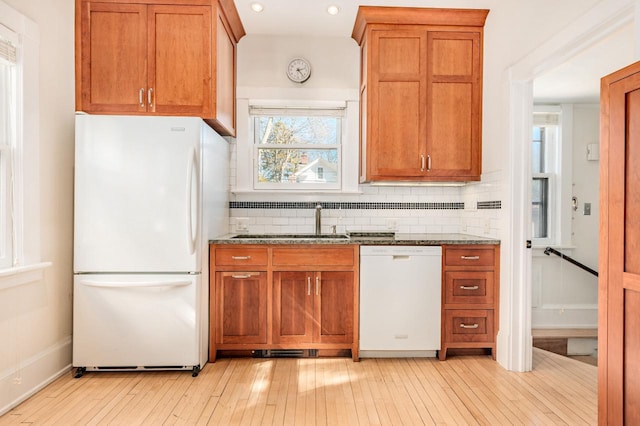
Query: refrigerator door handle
125, 284
192, 179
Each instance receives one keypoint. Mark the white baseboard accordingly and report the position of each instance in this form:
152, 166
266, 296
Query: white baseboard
33, 374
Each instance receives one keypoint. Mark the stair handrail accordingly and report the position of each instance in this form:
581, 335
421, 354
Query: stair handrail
570, 260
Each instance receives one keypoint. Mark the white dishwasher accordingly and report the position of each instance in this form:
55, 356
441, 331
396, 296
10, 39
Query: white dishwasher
400, 300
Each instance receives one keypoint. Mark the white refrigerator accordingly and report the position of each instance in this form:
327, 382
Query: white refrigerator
149, 194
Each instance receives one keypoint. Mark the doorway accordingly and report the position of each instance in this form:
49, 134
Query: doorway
557, 299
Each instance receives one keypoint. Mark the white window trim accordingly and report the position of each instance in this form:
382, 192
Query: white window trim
26, 197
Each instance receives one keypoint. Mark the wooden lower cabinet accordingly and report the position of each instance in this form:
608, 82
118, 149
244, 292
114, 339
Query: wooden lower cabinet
470, 289
241, 298
313, 307
293, 297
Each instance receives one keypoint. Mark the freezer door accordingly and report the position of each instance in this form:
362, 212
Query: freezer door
137, 194
136, 321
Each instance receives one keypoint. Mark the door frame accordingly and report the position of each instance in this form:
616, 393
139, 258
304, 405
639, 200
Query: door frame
603, 19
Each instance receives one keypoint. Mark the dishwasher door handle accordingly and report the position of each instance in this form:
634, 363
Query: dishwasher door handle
401, 257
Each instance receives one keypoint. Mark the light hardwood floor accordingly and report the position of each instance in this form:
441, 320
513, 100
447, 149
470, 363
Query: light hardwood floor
325, 391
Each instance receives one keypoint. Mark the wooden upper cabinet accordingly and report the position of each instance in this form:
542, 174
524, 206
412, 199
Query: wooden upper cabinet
111, 65
158, 59
179, 60
420, 93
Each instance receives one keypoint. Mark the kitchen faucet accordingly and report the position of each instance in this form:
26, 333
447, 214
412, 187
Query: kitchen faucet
318, 219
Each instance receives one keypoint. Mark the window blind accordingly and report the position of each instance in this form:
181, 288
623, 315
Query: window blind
7, 51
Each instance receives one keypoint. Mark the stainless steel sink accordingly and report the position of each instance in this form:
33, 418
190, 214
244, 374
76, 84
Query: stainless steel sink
290, 236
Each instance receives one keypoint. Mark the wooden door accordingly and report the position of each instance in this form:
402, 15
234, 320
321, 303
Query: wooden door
397, 105
293, 307
619, 280
333, 307
180, 66
241, 315
113, 58
454, 85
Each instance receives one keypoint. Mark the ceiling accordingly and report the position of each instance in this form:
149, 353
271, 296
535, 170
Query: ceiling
577, 80
308, 17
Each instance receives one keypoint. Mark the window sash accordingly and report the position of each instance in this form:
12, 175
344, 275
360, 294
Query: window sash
315, 184
8, 139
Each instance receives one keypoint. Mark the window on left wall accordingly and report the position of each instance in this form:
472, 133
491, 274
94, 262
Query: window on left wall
20, 260
8, 145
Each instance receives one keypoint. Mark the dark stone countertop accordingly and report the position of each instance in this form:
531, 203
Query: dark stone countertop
360, 238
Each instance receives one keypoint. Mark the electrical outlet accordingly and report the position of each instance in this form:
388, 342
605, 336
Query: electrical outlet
487, 226
17, 380
392, 224
242, 224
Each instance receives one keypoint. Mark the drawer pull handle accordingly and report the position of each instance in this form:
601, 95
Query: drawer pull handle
469, 287
240, 277
241, 257
469, 326
470, 257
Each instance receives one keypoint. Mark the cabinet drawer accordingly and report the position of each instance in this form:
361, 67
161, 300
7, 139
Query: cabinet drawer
317, 256
472, 287
469, 325
241, 256
469, 256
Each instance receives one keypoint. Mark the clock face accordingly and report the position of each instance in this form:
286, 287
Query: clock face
299, 70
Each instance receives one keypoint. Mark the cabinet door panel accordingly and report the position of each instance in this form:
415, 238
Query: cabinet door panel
451, 147
398, 136
114, 52
399, 53
242, 302
397, 104
180, 59
455, 103
334, 307
452, 57
292, 307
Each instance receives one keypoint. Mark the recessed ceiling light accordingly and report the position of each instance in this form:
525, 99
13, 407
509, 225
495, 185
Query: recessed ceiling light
333, 9
257, 7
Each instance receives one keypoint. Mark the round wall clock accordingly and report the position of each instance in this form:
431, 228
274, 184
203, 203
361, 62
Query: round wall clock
299, 70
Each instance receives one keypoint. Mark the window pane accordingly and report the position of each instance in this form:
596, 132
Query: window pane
287, 130
538, 150
277, 165
540, 207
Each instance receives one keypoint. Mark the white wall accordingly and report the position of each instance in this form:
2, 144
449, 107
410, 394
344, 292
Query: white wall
35, 319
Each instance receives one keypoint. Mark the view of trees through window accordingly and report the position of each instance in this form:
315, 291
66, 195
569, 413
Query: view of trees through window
295, 149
